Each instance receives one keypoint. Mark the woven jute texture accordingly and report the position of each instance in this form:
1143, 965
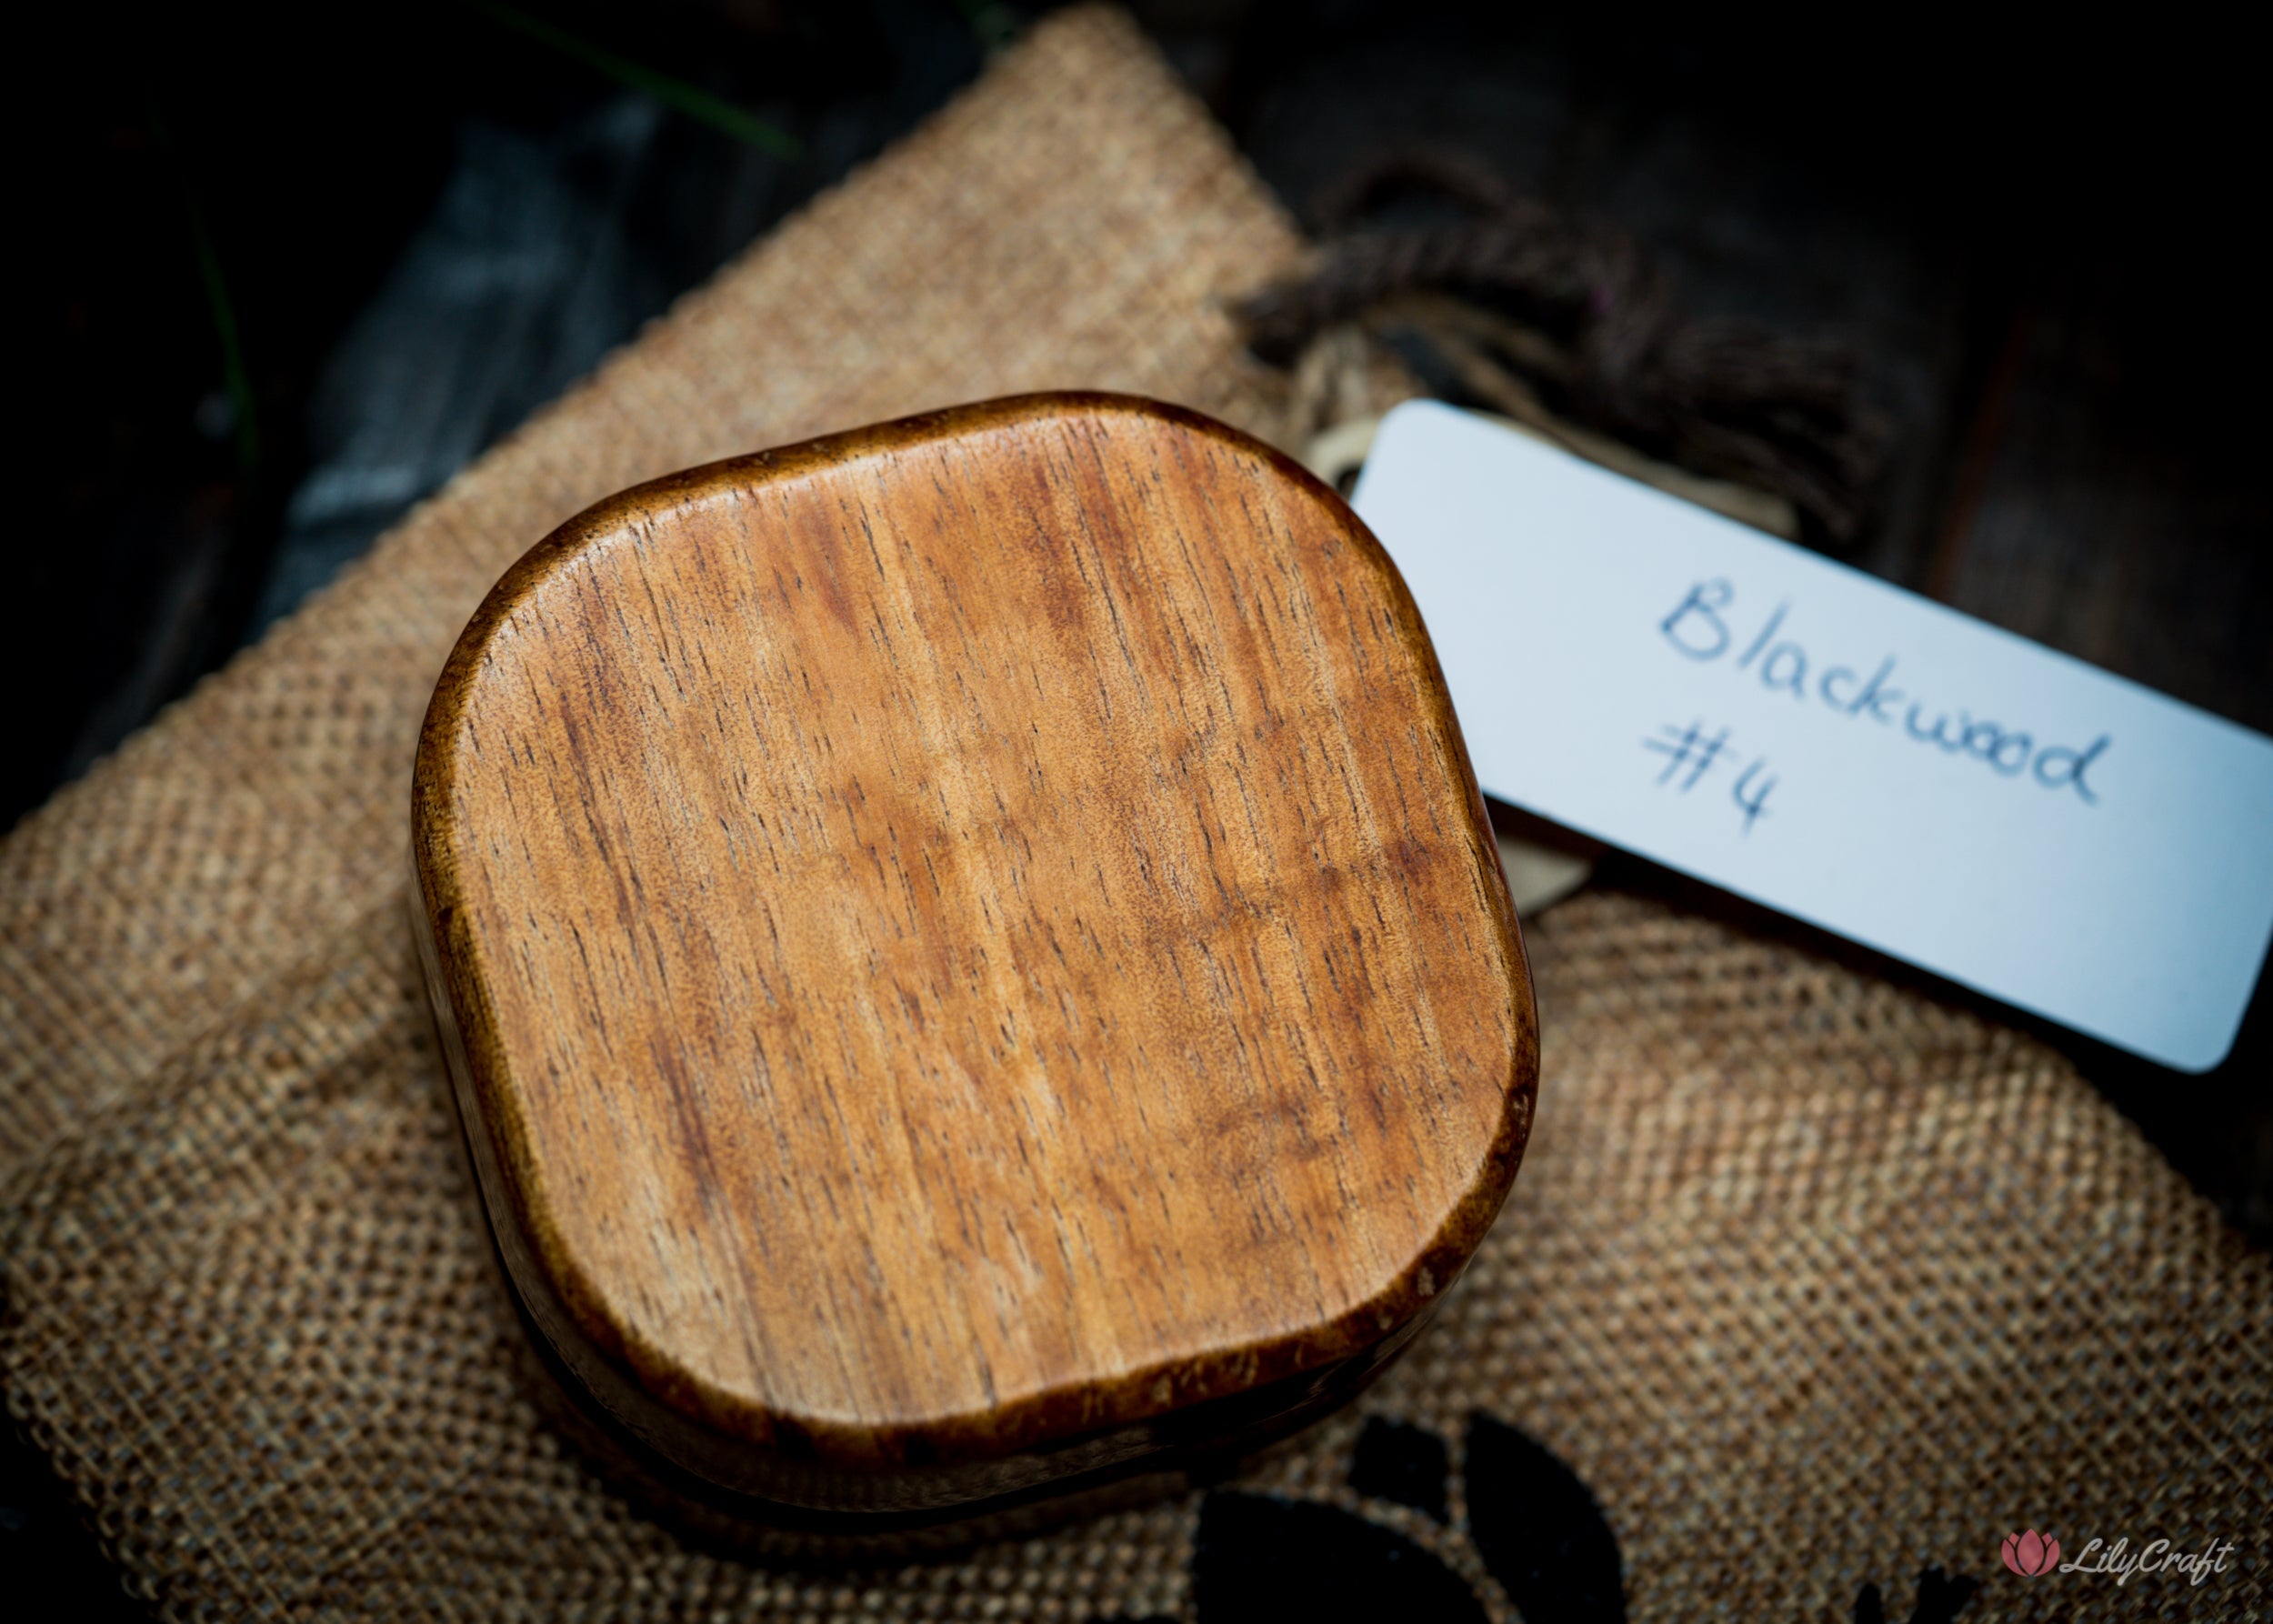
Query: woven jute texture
1809, 1282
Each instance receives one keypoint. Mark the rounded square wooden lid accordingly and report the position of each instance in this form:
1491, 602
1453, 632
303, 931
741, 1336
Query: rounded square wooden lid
966, 937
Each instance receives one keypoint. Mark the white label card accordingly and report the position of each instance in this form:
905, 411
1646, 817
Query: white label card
1631, 666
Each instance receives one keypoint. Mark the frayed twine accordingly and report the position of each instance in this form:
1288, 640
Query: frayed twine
1548, 319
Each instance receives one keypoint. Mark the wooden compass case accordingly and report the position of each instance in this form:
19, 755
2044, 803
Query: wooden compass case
972, 958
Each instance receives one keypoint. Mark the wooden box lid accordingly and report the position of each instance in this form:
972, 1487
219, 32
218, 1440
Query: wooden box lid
971, 953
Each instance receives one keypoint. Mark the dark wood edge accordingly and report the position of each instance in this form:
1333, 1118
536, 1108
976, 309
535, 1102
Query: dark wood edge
517, 1198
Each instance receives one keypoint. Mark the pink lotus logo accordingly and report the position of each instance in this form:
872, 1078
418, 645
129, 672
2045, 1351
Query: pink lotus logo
2031, 1553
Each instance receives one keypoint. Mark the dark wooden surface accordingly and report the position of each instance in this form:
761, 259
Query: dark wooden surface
968, 936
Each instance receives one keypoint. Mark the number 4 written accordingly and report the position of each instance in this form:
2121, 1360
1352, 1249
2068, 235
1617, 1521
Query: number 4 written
1695, 752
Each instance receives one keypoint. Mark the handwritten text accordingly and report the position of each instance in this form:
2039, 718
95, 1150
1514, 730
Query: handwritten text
1703, 627
1691, 752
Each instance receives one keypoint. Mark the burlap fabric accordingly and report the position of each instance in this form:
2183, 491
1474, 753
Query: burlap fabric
1811, 1282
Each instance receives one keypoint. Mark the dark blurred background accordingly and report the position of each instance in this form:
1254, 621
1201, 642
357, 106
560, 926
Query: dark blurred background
293, 268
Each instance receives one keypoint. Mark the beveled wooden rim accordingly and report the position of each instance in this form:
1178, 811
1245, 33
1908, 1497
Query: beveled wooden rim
1037, 1421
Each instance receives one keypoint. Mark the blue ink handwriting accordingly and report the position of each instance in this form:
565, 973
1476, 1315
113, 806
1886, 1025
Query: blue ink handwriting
1700, 628
1690, 753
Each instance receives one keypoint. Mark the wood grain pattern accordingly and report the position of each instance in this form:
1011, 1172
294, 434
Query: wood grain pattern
965, 942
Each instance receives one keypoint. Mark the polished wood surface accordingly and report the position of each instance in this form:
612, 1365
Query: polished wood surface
966, 937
